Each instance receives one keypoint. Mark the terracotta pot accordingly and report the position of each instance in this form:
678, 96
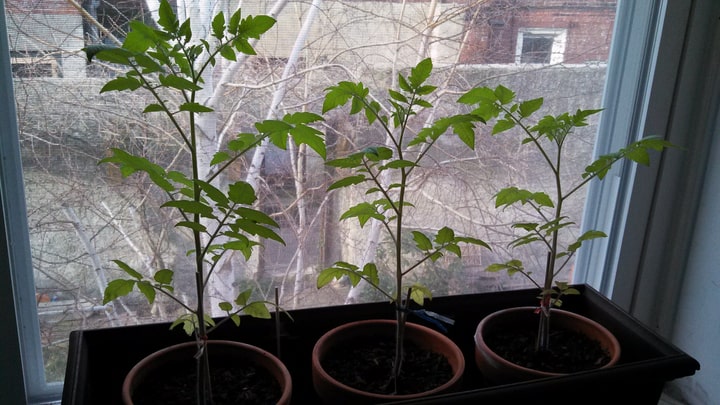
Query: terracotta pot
499, 370
332, 391
218, 349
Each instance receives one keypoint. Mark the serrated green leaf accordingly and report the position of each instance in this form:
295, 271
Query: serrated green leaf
502, 126
337, 271
530, 106
117, 288
257, 309
420, 73
445, 235
167, 18
418, 293
147, 290
241, 192
218, 26
243, 297
370, 272
421, 241
363, 212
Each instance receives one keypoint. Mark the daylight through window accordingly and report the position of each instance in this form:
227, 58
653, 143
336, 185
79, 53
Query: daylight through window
82, 215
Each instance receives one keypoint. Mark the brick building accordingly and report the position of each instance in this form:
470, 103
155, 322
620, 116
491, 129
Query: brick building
539, 31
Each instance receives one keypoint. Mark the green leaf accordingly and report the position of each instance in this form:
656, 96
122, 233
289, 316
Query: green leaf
190, 207
253, 228
400, 163
511, 267
472, 241
214, 193
418, 293
129, 270
348, 162
338, 271
235, 318
421, 241
303, 134
154, 108
218, 26
225, 306
504, 95
257, 309
243, 297
195, 226
347, 181
219, 157
256, 216
147, 290
528, 107
179, 83
589, 235
241, 192
164, 276
195, 108
420, 73
363, 212
445, 235
121, 83
117, 288
502, 126
167, 18
255, 26
370, 272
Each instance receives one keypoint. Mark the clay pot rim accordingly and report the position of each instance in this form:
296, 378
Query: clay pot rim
457, 374
280, 371
614, 343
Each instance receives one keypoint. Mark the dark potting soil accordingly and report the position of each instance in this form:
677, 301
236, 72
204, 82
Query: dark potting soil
368, 366
569, 351
243, 384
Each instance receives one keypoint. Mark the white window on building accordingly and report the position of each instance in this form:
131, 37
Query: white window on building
540, 46
34, 64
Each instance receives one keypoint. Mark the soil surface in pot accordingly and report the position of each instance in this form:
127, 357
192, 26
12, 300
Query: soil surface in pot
235, 384
367, 366
569, 351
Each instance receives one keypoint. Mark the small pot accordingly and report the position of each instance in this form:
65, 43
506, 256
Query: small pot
501, 371
332, 391
217, 349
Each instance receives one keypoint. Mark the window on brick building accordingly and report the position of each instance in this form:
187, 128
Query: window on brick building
540, 46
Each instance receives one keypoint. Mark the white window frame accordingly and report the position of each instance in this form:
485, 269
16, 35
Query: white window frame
558, 35
640, 93
49, 61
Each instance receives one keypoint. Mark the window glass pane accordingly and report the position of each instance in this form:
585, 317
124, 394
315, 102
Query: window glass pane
83, 215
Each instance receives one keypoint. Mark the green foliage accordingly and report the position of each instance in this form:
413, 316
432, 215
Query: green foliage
169, 62
548, 136
373, 165
384, 172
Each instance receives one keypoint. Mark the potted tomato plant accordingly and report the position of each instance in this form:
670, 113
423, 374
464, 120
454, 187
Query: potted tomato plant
170, 63
507, 347
385, 171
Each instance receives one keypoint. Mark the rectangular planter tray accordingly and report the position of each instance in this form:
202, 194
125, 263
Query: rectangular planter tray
99, 359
